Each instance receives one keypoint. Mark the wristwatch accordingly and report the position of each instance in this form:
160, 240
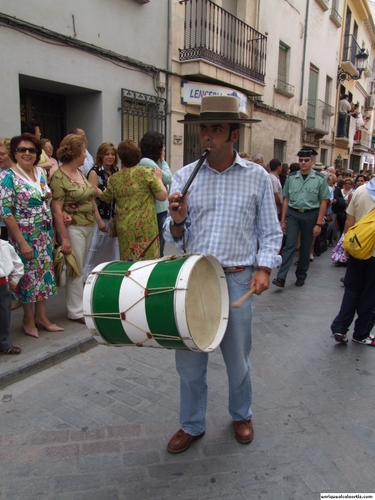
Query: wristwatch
178, 224
320, 225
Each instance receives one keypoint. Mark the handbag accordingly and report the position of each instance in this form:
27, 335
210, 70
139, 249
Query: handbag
112, 222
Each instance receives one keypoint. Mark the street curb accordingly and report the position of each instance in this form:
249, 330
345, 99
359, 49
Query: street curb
47, 360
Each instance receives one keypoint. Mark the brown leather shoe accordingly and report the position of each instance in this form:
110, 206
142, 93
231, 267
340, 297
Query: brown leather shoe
244, 432
181, 441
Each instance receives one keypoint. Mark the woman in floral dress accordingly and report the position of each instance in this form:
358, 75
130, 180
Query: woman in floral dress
135, 189
25, 207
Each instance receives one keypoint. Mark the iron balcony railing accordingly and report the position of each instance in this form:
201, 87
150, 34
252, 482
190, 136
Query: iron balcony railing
212, 34
351, 49
319, 115
364, 139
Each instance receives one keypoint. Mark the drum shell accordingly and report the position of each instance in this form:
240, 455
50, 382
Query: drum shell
176, 303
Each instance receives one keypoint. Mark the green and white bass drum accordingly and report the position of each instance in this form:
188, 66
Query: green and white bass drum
178, 302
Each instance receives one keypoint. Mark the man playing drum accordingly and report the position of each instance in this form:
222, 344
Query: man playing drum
229, 212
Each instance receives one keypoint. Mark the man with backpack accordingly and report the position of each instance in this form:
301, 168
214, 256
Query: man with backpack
359, 281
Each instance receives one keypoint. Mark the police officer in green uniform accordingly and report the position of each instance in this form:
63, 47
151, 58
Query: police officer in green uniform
305, 200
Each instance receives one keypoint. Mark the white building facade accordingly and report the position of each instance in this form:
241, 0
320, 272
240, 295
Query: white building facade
89, 64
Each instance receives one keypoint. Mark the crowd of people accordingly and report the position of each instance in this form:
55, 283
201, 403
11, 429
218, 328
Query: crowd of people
258, 230
57, 213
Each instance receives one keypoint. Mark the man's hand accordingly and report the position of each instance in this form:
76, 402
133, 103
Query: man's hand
178, 210
317, 230
261, 281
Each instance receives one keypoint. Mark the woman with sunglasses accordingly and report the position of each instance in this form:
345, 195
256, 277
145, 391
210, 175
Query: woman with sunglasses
25, 207
347, 190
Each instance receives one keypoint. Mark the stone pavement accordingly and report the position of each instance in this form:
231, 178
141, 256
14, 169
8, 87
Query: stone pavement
95, 426
49, 348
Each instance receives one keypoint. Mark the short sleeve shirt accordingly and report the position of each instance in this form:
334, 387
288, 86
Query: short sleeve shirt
305, 194
77, 198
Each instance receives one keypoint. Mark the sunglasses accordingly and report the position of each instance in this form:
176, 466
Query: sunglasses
304, 159
30, 150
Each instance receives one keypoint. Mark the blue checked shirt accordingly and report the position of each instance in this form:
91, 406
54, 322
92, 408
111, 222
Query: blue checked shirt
229, 214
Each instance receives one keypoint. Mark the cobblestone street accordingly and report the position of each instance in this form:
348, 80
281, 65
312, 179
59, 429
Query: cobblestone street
95, 426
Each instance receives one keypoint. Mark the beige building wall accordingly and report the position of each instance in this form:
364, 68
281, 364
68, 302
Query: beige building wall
358, 156
313, 39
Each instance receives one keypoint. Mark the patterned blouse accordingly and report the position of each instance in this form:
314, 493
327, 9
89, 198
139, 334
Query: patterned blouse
78, 198
103, 207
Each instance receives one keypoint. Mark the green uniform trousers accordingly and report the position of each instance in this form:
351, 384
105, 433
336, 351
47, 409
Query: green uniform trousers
297, 223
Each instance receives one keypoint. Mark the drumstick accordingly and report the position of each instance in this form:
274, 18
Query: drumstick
241, 300
192, 176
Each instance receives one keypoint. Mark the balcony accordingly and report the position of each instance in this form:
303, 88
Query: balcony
319, 116
362, 143
350, 51
318, 119
284, 88
214, 36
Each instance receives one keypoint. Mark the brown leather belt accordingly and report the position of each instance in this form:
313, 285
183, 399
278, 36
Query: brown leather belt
233, 269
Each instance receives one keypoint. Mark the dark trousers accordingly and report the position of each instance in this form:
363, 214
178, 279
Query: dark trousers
5, 309
162, 216
343, 125
298, 223
359, 297
4, 233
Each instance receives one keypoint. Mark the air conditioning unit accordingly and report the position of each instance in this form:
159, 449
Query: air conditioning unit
370, 102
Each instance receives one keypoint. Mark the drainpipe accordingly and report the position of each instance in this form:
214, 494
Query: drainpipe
168, 135
304, 51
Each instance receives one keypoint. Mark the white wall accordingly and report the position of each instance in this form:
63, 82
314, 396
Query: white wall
92, 84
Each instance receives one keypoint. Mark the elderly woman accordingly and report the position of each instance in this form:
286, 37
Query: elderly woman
5, 159
103, 248
75, 196
48, 149
135, 189
24, 205
5, 163
153, 153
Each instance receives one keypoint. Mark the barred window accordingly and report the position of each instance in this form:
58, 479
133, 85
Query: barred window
141, 113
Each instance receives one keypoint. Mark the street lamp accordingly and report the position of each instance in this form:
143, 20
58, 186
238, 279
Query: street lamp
361, 59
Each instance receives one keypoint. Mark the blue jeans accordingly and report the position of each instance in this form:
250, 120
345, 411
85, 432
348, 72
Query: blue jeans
235, 348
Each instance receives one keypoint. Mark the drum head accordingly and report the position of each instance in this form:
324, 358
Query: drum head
207, 303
